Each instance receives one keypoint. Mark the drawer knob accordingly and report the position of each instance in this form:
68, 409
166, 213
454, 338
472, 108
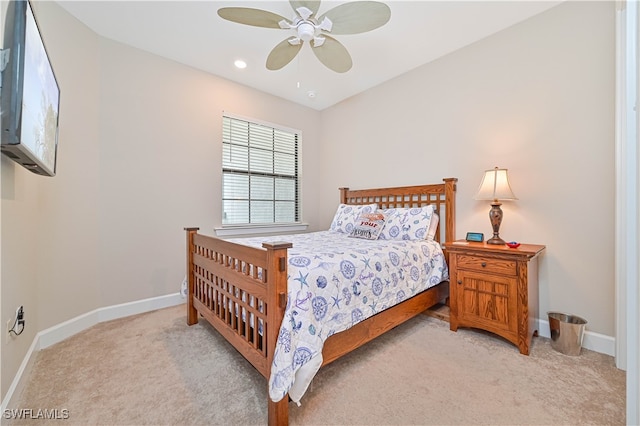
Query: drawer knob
484, 264
459, 281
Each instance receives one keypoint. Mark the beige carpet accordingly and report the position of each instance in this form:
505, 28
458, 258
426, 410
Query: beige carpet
153, 369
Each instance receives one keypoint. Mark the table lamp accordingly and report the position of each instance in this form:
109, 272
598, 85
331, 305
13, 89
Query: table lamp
495, 186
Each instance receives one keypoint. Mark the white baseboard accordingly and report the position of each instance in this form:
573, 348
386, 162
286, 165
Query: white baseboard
25, 367
64, 330
593, 341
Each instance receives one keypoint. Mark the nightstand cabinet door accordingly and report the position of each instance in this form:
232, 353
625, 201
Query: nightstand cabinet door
487, 301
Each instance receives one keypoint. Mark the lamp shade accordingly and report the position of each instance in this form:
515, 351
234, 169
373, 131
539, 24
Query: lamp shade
495, 186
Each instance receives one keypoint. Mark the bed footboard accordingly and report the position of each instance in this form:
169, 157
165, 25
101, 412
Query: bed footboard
240, 290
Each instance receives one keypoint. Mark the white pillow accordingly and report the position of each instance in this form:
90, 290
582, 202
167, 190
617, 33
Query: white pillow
407, 223
345, 218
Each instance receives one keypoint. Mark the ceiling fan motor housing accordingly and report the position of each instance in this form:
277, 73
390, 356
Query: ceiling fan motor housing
306, 31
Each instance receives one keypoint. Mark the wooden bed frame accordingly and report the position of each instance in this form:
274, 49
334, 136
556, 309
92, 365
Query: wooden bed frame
237, 287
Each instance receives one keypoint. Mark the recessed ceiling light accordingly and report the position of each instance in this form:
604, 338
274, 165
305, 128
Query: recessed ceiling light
311, 94
239, 63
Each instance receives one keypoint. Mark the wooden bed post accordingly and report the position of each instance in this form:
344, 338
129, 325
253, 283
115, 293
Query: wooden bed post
192, 313
278, 412
450, 205
343, 195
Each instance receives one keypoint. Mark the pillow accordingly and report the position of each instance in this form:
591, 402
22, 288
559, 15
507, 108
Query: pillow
345, 218
433, 226
407, 223
368, 226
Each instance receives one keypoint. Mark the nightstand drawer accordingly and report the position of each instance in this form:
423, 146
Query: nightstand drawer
477, 263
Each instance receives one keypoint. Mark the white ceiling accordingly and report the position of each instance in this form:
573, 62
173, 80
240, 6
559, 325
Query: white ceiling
192, 33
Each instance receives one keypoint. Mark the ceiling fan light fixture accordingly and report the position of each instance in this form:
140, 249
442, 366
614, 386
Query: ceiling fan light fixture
306, 31
318, 41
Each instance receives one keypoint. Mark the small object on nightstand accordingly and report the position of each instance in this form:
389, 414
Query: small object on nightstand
477, 237
513, 244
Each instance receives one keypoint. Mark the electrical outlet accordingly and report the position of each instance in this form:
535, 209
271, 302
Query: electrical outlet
16, 325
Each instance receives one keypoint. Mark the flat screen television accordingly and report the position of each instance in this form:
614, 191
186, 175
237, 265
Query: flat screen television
30, 94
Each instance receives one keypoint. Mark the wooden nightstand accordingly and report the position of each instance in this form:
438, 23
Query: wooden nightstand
495, 288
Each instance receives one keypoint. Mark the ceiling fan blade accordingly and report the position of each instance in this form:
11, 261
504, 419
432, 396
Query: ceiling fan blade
249, 16
312, 5
282, 54
357, 17
333, 55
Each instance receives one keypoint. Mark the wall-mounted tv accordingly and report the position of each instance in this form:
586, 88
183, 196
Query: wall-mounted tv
30, 94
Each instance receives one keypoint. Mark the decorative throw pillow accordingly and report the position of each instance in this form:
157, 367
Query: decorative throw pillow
368, 226
345, 218
406, 223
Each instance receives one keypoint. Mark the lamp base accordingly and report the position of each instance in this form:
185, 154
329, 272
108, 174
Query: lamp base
496, 240
495, 215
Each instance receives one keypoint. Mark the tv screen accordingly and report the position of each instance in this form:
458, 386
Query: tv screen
30, 94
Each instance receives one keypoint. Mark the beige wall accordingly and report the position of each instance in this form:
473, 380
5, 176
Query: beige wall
139, 137
160, 163
69, 216
538, 99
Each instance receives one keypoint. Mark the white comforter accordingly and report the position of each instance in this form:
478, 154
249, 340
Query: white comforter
336, 281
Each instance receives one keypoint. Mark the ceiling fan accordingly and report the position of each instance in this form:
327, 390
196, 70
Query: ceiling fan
348, 18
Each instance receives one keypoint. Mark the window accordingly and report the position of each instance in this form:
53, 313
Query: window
259, 173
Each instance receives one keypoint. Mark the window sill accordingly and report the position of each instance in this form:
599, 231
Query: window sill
234, 230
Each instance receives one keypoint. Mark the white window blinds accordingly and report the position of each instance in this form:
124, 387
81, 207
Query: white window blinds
259, 173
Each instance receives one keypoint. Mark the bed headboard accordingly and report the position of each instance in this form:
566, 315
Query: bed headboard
442, 196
